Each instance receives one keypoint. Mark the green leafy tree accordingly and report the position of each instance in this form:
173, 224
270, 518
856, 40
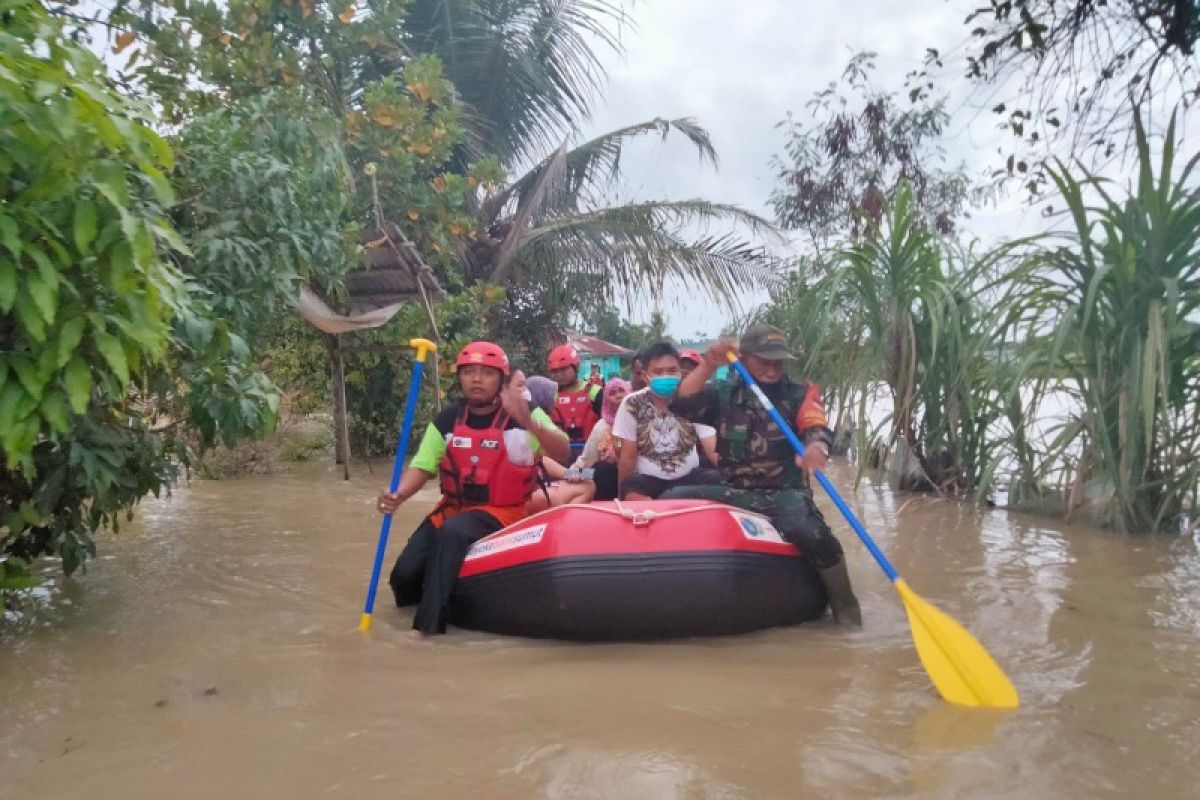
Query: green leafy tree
104, 343
353, 85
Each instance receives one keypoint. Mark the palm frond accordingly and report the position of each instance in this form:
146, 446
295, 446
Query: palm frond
635, 248
528, 70
548, 182
595, 165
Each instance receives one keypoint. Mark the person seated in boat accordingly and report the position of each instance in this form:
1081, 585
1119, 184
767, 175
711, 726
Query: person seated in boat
760, 470
600, 452
541, 392
688, 361
658, 450
579, 404
484, 449
637, 372
593, 475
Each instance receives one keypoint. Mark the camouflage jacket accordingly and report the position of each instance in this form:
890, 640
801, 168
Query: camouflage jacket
754, 453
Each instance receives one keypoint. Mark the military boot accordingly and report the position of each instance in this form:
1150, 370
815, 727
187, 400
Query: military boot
842, 601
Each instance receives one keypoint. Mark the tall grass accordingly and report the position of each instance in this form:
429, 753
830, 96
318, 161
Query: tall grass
1122, 297
971, 342
937, 318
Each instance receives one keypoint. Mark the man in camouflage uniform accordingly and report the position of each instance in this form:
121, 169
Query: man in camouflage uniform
761, 471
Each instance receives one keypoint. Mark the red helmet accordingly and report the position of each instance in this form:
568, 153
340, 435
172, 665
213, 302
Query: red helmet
691, 355
564, 356
485, 353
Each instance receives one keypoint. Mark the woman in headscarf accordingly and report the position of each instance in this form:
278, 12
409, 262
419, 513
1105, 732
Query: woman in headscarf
542, 392
600, 453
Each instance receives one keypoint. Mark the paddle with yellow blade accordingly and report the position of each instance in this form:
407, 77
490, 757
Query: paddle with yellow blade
961, 669
423, 348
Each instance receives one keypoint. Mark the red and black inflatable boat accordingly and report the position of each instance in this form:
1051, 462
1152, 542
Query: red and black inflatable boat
636, 570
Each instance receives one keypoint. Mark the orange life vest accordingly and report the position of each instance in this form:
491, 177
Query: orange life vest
476, 471
573, 413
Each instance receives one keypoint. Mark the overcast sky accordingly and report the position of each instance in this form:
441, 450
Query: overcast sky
739, 68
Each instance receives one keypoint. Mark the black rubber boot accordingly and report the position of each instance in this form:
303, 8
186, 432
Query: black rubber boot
842, 601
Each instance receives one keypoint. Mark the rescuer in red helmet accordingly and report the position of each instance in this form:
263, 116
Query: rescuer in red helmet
484, 450
580, 405
689, 360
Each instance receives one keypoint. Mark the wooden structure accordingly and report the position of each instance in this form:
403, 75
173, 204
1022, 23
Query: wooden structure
392, 274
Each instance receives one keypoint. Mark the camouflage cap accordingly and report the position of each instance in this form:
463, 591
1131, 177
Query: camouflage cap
764, 341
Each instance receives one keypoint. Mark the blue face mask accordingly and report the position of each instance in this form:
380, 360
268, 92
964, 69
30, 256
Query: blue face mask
664, 385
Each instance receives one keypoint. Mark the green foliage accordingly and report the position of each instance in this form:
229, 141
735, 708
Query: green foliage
85, 296
549, 233
825, 332
528, 71
81, 482
262, 197
936, 323
320, 78
106, 345
1122, 298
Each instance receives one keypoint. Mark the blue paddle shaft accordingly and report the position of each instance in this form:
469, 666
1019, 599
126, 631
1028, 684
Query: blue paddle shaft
410, 410
880, 558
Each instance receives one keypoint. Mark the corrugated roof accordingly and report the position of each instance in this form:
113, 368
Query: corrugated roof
593, 346
389, 272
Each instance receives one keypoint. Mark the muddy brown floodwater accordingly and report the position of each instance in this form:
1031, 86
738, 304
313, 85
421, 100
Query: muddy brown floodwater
212, 652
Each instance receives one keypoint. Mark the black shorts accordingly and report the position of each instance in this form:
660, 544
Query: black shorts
653, 487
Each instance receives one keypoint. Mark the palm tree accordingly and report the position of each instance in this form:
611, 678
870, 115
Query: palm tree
528, 73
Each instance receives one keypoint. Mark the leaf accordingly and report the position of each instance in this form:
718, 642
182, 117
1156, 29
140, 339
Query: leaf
78, 379
85, 225
10, 397
54, 411
110, 182
44, 296
8, 285
27, 373
11, 235
110, 347
30, 315
123, 40
69, 336
347, 15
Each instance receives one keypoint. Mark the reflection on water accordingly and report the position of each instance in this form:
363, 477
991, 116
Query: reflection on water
214, 653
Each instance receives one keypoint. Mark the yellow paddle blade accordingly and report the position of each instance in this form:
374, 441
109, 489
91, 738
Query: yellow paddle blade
963, 672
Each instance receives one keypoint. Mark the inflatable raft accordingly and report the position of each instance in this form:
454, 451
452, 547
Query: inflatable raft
635, 570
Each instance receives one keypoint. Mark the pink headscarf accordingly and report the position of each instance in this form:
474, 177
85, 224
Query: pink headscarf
609, 410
